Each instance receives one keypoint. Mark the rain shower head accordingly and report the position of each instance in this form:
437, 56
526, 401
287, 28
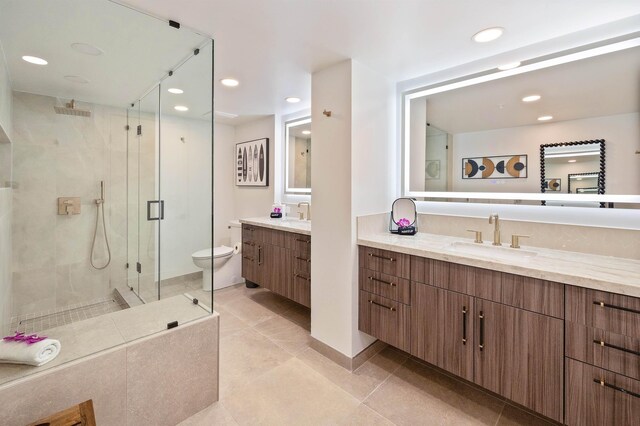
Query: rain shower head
70, 109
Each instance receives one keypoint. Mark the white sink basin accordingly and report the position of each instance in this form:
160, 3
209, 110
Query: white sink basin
490, 251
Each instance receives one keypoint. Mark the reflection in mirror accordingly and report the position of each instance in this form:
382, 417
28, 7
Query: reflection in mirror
298, 156
484, 135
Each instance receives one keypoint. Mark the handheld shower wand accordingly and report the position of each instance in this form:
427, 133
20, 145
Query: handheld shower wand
100, 209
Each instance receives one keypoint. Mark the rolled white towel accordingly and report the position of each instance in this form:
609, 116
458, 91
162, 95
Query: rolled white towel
36, 354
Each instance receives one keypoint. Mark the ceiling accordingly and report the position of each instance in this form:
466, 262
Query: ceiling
599, 86
271, 46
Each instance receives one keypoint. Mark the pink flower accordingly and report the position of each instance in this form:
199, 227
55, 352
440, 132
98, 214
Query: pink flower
403, 222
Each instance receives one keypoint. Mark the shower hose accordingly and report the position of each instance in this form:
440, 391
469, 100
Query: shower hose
100, 209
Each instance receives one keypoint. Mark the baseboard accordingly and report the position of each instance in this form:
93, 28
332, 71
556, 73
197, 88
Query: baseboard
343, 360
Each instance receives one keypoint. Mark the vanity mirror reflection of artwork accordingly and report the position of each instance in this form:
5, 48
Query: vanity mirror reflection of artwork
487, 129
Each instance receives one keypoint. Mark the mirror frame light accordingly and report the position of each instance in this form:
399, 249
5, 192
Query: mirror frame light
287, 126
588, 51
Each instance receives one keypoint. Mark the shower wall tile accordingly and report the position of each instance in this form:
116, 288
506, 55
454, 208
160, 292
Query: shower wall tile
65, 156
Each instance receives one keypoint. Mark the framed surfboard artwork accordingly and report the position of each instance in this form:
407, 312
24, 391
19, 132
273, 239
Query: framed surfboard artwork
252, 163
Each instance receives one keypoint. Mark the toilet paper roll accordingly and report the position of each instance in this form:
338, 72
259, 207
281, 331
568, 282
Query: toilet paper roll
237, 248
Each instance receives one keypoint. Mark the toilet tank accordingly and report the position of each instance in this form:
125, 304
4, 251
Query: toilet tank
236, 232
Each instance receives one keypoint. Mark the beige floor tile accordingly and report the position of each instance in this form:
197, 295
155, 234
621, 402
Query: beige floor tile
365, 379
416, 393
250, 311
246, 355
229, 323
365, 416
291, 394
300, 315
215, 414
513, 416
286, 334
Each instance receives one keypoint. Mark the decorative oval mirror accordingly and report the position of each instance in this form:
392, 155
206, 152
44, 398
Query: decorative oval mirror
404, 217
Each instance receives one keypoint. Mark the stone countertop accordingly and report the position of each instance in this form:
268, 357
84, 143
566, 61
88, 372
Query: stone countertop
611, 274
285, 224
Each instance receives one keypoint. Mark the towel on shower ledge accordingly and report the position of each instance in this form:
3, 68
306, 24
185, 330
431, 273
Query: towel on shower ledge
36, 354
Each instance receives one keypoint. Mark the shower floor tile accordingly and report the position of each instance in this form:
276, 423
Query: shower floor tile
37, 322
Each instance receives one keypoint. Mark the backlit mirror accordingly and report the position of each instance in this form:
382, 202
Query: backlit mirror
531, 134
298, 156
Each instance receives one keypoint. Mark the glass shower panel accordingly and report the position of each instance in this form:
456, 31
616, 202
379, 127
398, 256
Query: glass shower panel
186, 165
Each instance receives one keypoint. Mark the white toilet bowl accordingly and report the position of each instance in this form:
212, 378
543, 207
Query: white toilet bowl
223, 263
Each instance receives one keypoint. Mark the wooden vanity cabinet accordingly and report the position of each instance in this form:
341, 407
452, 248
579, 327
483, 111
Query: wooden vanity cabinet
501, 331
279, 261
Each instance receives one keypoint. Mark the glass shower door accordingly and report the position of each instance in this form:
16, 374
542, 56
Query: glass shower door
146, 210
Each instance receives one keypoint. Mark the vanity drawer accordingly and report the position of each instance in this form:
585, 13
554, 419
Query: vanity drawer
301, 289
386, 262
385, 319
531, 294
606, 311
597, 397
302, 264
252, 233
300, 244
615, 352
398, 289
429, 271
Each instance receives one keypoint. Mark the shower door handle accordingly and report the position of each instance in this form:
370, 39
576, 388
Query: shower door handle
160, 204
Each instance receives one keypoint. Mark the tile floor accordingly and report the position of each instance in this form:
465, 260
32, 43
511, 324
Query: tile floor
270, 375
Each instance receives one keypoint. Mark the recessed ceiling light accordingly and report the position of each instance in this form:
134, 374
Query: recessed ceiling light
509, 66
87, 49
229, 82
487, 35
175, 91
292, 100
181, 108
306, 132
76, 79
531, 98
545, 117
35, 60
571, 161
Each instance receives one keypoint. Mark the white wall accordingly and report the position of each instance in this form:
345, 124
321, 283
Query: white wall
621, 133
353, 174
6, 101
255, 201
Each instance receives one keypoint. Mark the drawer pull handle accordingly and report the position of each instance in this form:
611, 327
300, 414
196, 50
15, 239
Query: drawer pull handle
303, 259
391, 308
300, 240
481, 316
248, 258
249, 243
620, 348
389, 283
259, 255
601, 382
621, 308
464, 325
390, 259
302, 277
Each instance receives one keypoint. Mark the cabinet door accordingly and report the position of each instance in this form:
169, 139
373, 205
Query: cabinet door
519, 354
455, 337
441, 329
275, 268
492, 325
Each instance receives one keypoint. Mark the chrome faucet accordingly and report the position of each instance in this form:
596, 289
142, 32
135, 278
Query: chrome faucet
301, 214
495, 219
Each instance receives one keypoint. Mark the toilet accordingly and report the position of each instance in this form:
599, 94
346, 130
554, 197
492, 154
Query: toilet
225, 265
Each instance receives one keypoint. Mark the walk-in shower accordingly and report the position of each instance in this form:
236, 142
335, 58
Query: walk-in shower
94, 149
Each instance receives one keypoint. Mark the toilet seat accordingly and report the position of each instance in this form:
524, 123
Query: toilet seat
218, 252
